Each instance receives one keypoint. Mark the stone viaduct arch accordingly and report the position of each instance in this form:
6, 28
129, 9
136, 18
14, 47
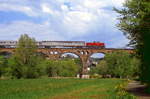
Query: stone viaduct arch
83, 53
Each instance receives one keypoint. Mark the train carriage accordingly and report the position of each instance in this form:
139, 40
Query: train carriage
56, 44
8, 44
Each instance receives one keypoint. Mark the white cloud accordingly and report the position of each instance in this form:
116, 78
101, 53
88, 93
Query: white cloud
79, 23
64, 8
25, 9
39, 31
118, 3
46, 9
63, 19
94, 4
28, 7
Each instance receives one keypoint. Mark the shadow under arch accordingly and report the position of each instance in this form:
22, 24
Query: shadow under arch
6, 54
42, 54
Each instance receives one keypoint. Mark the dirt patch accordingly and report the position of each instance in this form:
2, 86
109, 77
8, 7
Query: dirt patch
138, 90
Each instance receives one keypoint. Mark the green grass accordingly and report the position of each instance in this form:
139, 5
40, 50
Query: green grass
48, 88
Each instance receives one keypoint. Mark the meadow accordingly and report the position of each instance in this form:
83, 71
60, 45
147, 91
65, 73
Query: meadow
50, 88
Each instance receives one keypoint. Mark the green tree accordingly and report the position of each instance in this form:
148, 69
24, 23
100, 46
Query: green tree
5, 70
135, 66
25, 60
117, 64
101, 68
52, 68
79, 64
2, 65
69, 68
64, 68
121, 64
135, 23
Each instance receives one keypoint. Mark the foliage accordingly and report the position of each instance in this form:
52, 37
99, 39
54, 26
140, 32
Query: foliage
69, 68
27, 63
64, 68
122, 93
135, 64
3, 65
117, 64
135, 23
101, 68
24, 62
51, 67
79, 64
121, 64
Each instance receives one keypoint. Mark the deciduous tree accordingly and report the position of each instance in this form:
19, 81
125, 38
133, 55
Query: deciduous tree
25, 60
135, 23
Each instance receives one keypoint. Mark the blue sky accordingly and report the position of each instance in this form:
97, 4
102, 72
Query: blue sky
85, 20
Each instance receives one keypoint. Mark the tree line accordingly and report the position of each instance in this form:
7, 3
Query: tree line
27, 63
118, 64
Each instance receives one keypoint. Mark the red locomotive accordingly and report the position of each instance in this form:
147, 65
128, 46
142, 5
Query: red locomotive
95, 45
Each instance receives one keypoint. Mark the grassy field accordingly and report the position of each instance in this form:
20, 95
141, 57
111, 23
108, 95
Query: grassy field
48, 88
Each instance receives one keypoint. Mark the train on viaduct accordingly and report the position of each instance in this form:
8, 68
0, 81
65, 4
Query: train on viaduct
54, 50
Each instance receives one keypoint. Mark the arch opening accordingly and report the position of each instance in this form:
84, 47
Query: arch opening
69, 55
75, 58
94, 59
6, 54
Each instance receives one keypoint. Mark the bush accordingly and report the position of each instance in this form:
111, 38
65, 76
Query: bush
117, 64
121, 92
5, 69
95, 76
64, 68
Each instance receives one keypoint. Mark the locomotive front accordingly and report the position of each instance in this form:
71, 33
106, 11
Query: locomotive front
95, 45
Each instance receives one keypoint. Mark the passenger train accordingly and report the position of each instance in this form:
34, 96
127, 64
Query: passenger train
56, 44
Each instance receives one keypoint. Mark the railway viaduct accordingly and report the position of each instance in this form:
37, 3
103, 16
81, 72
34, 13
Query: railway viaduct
83, 53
